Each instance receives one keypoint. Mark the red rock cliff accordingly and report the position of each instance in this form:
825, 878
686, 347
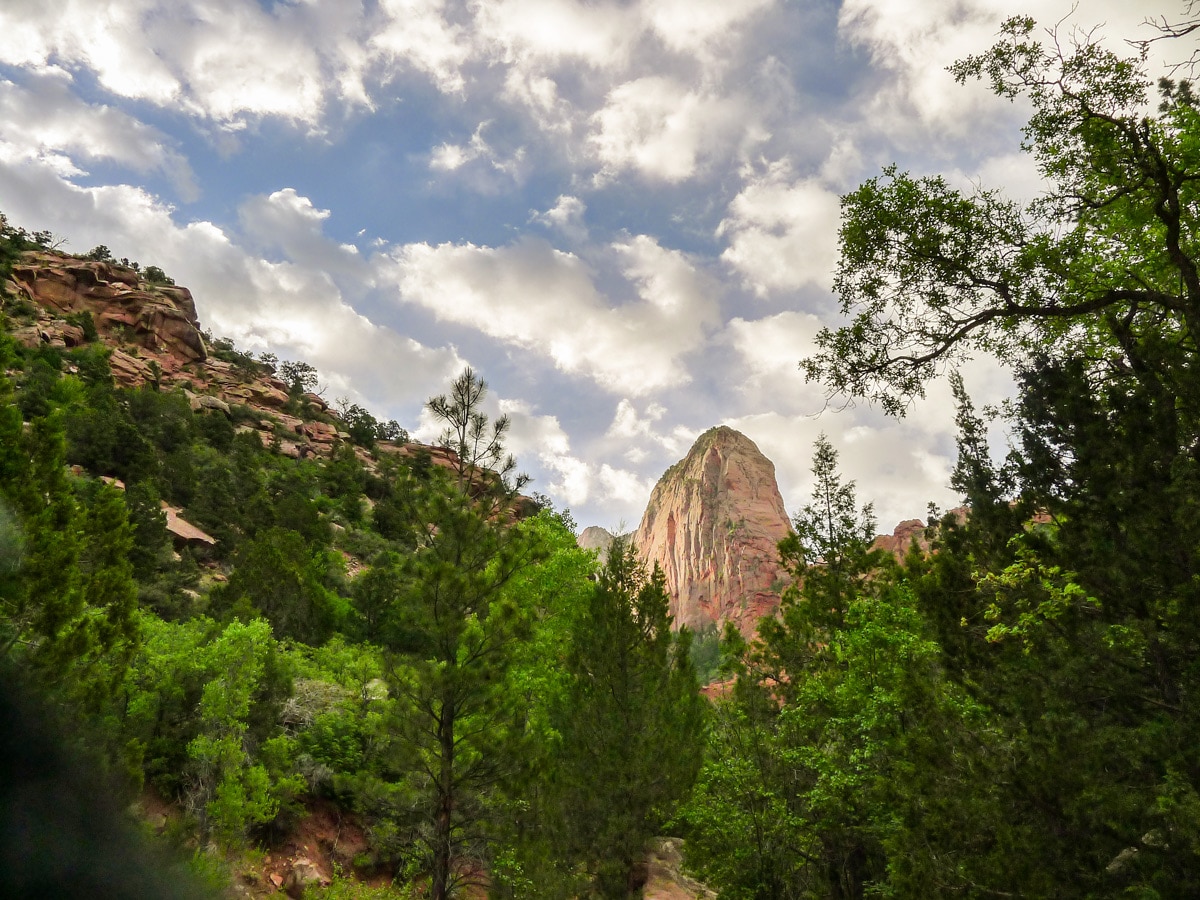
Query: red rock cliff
713, 524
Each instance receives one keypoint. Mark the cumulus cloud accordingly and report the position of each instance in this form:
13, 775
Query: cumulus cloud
636, 431
545, 300
417, 34
770, 350
689, 26
663, 128
46, 117
222, 64
625, 486
574, 480
543, 32
915, 40
287, 223
106, 38
566, 216
461, 158
782, 231
543, 438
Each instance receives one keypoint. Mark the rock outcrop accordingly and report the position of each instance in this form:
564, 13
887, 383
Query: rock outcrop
713, 524
596, 538
900, 541
159, 317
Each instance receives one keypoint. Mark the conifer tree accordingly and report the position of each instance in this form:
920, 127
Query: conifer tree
453, 631
631, 724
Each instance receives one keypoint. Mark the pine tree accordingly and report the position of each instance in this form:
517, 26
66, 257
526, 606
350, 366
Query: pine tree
452, 632
631, 724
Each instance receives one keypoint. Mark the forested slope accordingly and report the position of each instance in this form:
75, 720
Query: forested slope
356, 629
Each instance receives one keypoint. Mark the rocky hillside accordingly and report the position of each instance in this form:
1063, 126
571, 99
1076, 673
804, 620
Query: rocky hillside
712, 524
155, 337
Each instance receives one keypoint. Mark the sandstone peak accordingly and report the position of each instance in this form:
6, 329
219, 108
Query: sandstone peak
713, 524
596, 538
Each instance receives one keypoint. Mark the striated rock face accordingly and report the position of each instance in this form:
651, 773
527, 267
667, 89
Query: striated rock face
713, 523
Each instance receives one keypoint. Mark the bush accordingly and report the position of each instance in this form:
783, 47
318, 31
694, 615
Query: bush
155, 275
99, 253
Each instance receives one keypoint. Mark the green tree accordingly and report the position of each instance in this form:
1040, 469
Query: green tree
631, 722
1101, 266
453, 631
67, 610
1077, 631
528, 860
278, 575
841, 764
375, 591
299, 376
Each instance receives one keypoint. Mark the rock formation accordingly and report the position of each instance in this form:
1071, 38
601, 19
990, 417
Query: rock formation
713, 524
596, 538
156, 316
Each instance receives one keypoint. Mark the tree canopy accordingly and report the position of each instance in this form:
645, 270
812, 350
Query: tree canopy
1102, 265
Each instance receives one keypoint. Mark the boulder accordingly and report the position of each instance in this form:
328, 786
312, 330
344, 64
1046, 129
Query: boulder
319, 432
268, 395
302, 874
207, 401
128, 370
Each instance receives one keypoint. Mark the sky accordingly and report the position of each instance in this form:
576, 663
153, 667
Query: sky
622, 214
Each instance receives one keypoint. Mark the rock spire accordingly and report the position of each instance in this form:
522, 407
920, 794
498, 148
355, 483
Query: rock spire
713, 523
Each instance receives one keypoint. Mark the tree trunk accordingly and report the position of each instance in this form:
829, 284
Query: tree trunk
440, 889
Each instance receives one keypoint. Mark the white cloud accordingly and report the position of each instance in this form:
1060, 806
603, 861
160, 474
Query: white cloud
223, 61
106, 38
624, 486
917, 39
687, 26
770, 350
544, 438
538, 94
543, 32
539, 298
664, 129
45, 117
782, 231
635, 431
1016, 173
288, 223
418, 34
566, 216
449, 157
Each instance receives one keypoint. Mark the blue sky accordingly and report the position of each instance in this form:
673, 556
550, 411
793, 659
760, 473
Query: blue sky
622, 214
